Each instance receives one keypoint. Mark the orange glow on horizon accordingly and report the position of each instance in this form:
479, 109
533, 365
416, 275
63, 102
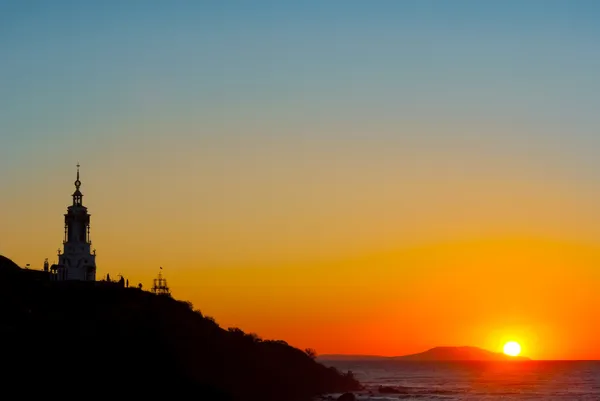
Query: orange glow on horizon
326, 278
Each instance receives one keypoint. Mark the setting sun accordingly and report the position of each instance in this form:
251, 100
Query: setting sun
512, 348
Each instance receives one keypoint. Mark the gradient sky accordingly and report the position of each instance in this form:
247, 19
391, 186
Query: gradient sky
352, 176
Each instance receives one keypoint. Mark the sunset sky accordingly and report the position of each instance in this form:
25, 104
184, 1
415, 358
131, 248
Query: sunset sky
373, 177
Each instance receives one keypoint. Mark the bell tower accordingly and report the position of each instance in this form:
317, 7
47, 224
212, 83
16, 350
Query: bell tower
77, 261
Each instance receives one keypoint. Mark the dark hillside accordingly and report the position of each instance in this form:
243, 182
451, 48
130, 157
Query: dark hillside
7, 265
67, 338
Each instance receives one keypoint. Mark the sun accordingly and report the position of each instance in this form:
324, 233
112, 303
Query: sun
512, 348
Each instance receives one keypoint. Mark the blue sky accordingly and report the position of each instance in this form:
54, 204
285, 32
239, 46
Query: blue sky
451, 59
420, 88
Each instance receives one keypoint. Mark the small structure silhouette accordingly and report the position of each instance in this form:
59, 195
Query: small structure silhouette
160, 285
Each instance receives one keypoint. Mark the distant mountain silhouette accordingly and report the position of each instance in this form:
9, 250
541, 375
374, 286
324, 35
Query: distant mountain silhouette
73, 339
350, 357
434, 354
458, 354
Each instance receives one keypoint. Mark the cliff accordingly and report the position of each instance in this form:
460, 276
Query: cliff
81, 338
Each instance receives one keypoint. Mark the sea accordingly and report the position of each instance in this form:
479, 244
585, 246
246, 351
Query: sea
468, 381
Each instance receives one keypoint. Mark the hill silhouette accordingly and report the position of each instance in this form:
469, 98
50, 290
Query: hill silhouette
435, 354
74, 338
7, 265
458, 354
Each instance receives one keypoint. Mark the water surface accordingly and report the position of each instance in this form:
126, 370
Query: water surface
510, 380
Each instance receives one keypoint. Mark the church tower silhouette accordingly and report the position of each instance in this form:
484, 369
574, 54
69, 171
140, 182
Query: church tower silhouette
76, 261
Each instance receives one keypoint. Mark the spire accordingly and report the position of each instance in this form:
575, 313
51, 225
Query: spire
77, 182
77, 195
